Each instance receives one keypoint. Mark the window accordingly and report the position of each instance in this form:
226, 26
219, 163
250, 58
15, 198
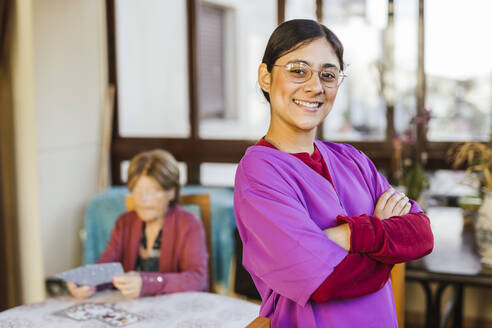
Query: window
211, 63
359, 112
300, 9
458, 69
192, 88
152, 68
227, 73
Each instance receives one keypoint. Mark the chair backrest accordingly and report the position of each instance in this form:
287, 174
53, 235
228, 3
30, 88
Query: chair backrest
203, 201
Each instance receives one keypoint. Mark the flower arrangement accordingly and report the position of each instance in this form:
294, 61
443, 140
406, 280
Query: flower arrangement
409, 170
477, 157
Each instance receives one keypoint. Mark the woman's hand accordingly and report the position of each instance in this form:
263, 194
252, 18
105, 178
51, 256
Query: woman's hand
392, 204
129, 285
81, 292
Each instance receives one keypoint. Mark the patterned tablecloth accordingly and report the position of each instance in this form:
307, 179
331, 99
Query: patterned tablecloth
183, 310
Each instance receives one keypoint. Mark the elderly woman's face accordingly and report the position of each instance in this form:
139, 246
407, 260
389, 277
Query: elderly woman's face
303, 106
151, 200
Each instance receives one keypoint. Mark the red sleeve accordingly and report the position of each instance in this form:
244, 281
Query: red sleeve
393, 240
375, 245
355, 276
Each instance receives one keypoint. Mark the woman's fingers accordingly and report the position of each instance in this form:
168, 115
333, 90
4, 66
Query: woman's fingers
406, 209
87, 291
392, 203
384, 198
381, 203
71, 286
80, 292
129, 290
129, 285
400, 205
120, 281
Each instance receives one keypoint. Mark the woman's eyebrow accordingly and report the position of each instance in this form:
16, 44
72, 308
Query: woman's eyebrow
326, 65
329, 65
298, 61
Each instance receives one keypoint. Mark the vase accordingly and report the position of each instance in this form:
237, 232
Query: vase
483, 228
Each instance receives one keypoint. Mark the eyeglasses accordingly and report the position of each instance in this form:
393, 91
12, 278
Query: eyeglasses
300, 72
151, 193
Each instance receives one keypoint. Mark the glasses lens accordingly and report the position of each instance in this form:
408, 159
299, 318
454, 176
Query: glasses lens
298, 72
330, 76
149, 193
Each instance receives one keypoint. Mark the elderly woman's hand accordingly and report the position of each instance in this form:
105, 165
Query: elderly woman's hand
130, 284
80, 292
392, 204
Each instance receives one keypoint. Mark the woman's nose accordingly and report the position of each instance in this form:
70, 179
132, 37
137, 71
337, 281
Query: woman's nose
314, 84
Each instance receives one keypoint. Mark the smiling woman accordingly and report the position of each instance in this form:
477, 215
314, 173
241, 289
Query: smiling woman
314, 258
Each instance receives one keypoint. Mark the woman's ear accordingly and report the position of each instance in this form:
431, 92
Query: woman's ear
264, 78
171, 194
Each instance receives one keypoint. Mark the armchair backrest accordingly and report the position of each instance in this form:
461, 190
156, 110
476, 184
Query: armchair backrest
203, 201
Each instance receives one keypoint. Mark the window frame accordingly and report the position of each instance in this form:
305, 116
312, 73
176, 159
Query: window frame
194, 150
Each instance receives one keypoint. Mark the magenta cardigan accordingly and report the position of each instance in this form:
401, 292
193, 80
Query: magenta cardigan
183, 260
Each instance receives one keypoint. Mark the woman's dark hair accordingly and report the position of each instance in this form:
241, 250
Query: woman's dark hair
293, 34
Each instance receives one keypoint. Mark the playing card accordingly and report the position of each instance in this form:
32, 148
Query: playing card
92, 274
119, 318
85, 311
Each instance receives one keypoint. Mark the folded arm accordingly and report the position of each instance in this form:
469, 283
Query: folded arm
394, 240
357, 275
375, 245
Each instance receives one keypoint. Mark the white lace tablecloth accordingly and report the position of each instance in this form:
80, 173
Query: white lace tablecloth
183, 310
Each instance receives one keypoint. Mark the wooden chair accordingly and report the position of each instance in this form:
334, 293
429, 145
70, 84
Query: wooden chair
259, 322
203, 201
398, 283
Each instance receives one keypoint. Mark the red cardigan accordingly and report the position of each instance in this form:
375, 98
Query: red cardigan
183, 259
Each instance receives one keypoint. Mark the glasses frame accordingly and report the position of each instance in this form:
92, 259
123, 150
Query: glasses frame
149, 194
286, 68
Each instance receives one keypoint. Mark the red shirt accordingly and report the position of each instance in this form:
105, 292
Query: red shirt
375, 245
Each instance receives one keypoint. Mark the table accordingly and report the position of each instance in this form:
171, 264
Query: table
191, 309
453, 262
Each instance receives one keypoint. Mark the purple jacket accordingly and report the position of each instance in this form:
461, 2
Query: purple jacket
183, 260
282, 207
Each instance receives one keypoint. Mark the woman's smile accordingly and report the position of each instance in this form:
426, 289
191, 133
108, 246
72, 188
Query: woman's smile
309, 105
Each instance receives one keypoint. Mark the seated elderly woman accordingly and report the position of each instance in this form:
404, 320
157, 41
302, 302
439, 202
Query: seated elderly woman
160, 245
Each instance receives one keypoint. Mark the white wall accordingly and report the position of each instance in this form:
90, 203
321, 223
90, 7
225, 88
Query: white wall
60, 76
70, 78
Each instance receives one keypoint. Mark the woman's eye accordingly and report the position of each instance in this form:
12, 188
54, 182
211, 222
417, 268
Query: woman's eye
328, 76
298, 71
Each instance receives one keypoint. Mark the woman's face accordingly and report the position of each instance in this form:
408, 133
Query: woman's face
151, 201
301, 107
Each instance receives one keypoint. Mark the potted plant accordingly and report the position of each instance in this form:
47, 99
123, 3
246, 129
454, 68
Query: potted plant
477, 157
